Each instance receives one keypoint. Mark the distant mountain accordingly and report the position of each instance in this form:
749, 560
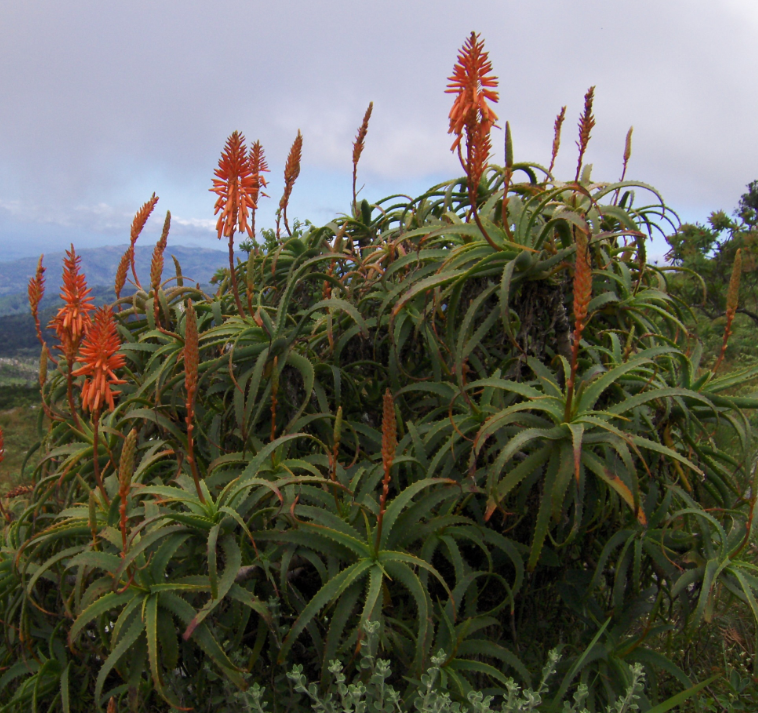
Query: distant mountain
99, 265
17, 333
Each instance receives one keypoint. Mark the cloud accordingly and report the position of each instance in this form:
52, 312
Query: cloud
104, 103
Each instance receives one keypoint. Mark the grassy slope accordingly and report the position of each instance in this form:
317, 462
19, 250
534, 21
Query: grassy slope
19, 408
19, 426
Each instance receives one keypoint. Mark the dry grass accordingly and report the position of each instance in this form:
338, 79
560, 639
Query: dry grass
19, 427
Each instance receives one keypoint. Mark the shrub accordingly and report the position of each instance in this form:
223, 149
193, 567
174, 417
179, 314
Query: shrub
474, 418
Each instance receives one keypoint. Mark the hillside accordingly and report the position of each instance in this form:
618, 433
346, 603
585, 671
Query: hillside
17, 334
100, 264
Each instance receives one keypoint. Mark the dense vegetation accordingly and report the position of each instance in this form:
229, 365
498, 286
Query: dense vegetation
457, 432
705, 256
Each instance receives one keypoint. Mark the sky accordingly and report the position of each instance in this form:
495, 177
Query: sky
104, 103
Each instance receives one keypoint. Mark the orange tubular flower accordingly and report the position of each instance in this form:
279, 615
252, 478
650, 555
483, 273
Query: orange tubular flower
234, 186
73, 319
36, 290
474, 85
137, 225
291, 172
101, 359
258, 167
358, 145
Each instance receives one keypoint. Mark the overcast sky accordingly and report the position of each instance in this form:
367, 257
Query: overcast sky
102, 103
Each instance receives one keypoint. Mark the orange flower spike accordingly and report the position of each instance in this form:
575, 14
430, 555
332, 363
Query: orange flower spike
191, 354
358, 145
156, 266
478, 151
36, 290
234, 186
582, 297
389, 433
73, 319
291, 172
389, 446
137, 226
36, 287
474, 86
586, 124
557, 137
191, 362
582, 282
258, 167
101, 357
122, 270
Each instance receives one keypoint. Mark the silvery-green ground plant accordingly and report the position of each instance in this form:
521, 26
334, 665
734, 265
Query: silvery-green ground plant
371, 692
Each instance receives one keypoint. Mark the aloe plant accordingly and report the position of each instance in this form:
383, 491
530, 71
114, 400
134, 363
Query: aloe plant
472, 418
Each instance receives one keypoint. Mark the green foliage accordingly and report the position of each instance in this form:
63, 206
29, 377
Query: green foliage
703, 257
525, 511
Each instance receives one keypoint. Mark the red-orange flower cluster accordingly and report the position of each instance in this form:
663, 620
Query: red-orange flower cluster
101, 359
472, 115
474, 85
258, 167
291, 172
73, 319
235, 187
36, 290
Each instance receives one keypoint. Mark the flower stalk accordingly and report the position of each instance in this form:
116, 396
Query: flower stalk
291, 172
36, 291
101, 357
138, 225
586, 124
156, 267
191, 361
389, 445
258, 167
73, 319
557, 137
235, 187
125, 471
582, 297
472, 117
358, 145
